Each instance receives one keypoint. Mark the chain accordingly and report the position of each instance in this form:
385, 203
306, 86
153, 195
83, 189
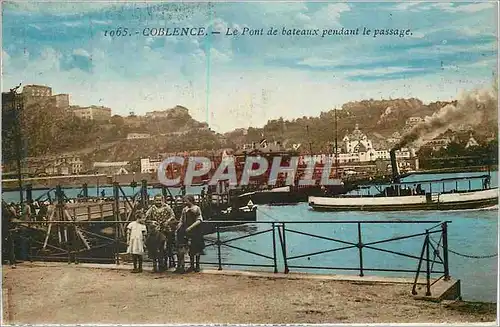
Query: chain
474, 256
467, 255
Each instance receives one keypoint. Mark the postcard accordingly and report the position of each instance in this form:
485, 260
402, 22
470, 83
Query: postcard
283, 162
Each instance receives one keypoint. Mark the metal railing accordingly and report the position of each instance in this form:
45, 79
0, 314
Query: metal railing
282, 230
70, 234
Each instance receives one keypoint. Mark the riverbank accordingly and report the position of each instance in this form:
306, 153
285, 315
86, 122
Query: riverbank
65, 294
101, 180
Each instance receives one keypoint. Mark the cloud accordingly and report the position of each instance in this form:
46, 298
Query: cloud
444, 6
217, 56
81, 52
72, 23
59, 8
101, 22
470, 8
381, 71
319, 62
242, 81
35, 26
329, 17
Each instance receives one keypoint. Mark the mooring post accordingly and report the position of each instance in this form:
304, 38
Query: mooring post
445, 251
218, 246
427, 259
274, 249
360, 248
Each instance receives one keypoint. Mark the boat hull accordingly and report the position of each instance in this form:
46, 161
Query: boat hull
450, 201
233, 218
293, 195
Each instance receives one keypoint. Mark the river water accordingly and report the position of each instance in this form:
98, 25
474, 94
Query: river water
470, 232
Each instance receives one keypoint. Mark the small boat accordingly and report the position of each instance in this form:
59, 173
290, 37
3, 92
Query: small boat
232, 216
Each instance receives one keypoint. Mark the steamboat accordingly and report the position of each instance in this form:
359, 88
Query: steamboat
401, 196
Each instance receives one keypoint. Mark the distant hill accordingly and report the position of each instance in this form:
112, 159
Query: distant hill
377, 118
174, 130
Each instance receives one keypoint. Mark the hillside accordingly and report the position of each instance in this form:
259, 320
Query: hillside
176, 131
377, 118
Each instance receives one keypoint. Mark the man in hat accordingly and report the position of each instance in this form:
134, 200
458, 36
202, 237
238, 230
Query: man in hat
164, 215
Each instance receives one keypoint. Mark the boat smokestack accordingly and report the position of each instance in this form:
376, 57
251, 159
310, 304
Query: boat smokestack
394, 166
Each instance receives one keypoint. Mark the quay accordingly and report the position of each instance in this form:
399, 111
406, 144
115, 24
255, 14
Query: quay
73, 294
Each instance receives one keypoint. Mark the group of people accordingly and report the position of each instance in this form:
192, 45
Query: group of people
158, 231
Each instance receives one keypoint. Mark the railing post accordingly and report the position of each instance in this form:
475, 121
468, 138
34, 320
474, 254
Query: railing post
360, 248
284, 249
73, 239
116, 207
427, 257
218, 246
66, 238
414, 289
274, 249
445, 251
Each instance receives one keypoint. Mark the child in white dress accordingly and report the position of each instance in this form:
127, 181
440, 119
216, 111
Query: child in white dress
136, 240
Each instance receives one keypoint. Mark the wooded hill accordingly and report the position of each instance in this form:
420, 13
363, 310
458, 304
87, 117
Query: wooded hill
45, 130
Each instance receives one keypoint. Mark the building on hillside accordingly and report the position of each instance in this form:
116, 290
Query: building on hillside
412, 121
263, 146
471, 142
465, 127
36, 91
157, 114
54, 165
111, 168
133, 121
356, 141
138, 136
97, 113
61, 101
394, 138
437, 143
149, 165
177, 111
43, 94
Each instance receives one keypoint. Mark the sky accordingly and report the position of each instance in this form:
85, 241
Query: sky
241, 81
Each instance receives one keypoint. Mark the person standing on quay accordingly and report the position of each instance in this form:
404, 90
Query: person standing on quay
190, 228
136, 239
164, 215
